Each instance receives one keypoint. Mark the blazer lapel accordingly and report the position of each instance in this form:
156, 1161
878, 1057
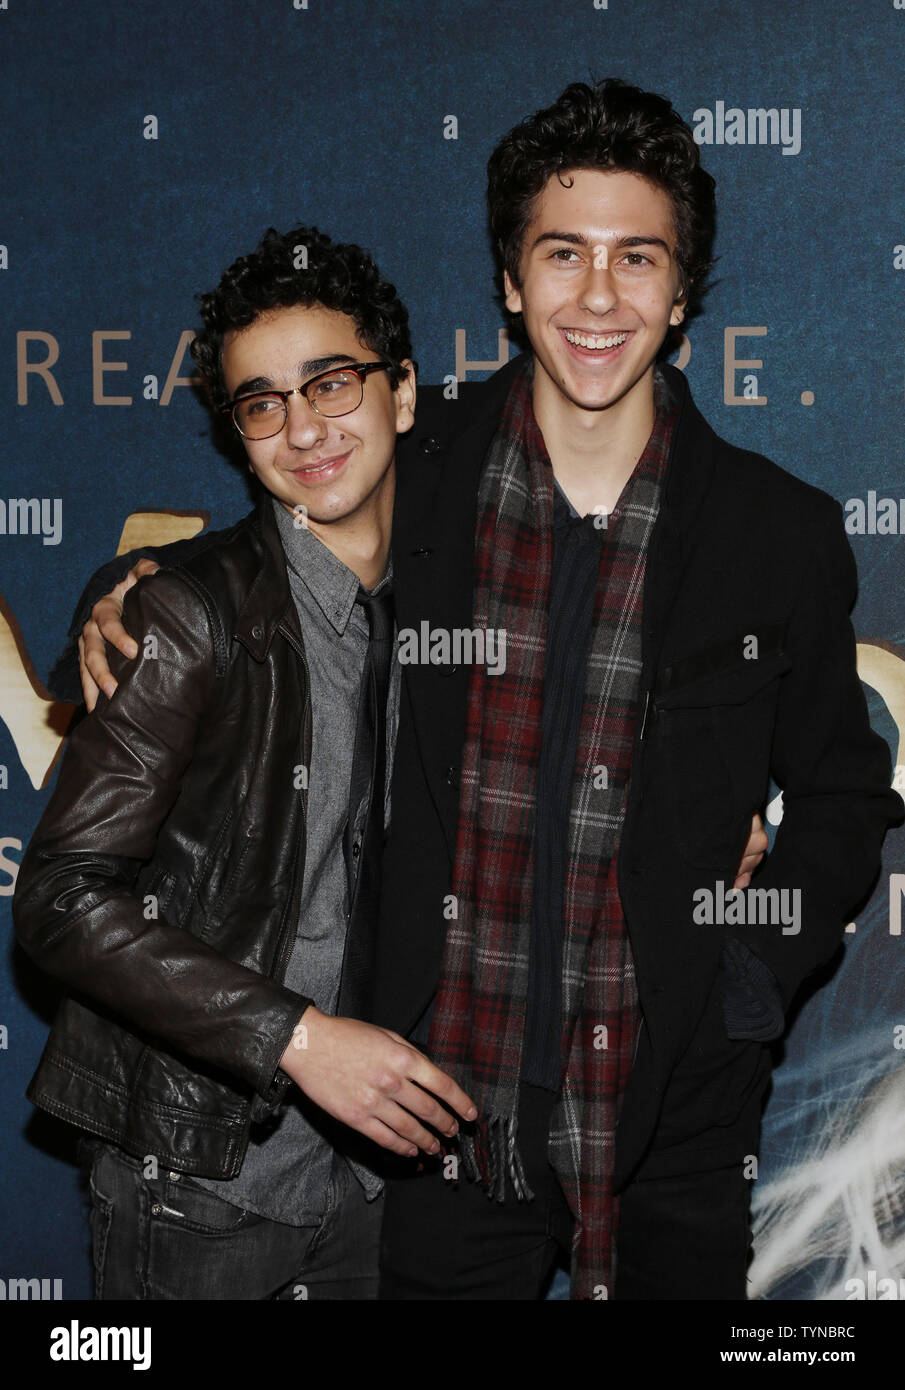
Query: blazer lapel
675, 533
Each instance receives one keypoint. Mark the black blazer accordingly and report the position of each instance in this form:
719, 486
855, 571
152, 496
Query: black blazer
740, 549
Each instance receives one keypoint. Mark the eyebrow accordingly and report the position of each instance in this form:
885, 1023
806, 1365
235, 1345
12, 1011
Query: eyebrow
303, 369
578, 239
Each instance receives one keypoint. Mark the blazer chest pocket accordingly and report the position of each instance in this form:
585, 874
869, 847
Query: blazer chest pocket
714, 735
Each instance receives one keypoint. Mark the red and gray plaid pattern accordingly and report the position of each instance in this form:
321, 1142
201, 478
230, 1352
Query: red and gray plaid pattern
478, 1027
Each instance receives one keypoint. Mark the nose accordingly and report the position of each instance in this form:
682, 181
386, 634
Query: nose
305, 429
598, 291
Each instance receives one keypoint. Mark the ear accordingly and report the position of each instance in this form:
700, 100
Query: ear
513, 296
678, 309
404, 397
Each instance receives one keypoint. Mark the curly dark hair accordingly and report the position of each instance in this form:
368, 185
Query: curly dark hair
276, 275
608, 126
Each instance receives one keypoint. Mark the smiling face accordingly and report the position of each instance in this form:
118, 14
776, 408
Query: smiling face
600, 286
339, 469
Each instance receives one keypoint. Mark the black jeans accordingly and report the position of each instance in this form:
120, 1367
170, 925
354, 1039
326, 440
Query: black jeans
166, 1237
681, 1235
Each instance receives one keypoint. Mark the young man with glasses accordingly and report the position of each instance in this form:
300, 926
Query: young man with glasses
205, 877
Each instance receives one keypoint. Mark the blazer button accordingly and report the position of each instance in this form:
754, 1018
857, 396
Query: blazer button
430, 445
257, 632
451, 776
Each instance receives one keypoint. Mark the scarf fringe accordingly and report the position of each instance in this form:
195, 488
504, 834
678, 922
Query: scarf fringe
491, 1155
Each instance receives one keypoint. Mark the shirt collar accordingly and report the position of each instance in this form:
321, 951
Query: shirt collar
332, 585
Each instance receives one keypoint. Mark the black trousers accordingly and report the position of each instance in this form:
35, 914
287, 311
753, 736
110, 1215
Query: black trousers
445, 1239
682, 1234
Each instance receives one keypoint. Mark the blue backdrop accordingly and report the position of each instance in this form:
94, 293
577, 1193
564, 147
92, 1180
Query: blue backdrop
144, 147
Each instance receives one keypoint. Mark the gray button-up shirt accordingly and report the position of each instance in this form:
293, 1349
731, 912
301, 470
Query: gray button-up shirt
289, 1174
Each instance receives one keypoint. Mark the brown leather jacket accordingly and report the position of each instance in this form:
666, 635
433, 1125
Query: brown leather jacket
162, 884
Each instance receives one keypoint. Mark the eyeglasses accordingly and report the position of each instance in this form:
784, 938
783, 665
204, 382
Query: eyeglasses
338, 391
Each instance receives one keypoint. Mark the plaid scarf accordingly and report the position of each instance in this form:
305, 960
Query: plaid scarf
478, 1025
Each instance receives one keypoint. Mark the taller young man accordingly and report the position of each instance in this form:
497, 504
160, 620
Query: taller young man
677, 627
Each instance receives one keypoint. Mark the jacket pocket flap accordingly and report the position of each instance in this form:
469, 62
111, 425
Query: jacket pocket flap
732, 685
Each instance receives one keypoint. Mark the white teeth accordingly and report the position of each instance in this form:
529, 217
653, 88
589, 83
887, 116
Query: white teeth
582, 340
